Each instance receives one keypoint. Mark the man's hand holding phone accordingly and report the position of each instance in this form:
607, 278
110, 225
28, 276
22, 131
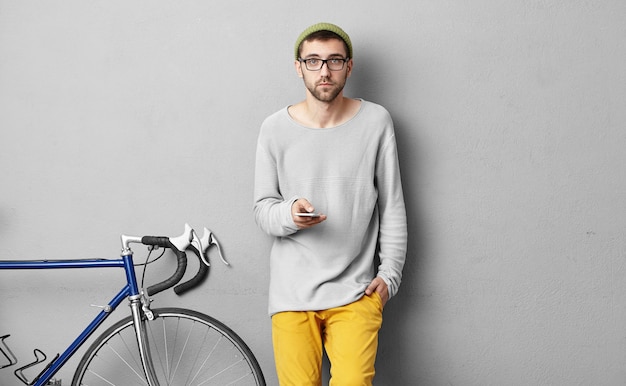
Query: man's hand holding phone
304, 214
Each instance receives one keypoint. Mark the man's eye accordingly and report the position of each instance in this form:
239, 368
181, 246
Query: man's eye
335, 61
312, 62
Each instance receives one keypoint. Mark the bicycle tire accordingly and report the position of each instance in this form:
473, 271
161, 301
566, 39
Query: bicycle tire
188, 348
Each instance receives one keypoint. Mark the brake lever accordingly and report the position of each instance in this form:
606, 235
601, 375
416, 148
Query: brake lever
183, 241
206, 241
199, 243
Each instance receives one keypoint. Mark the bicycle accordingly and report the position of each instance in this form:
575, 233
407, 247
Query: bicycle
161, 346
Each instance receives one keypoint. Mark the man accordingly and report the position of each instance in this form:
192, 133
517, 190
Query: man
328, 188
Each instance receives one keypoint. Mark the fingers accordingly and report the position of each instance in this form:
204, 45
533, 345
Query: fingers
378, 285
307, 222
303, 206
373, 286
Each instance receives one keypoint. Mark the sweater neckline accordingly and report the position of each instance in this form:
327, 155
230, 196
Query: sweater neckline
296, 123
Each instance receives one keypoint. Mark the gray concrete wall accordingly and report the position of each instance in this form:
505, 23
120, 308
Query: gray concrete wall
138, 116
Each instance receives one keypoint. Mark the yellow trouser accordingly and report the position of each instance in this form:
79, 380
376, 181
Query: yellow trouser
348, 333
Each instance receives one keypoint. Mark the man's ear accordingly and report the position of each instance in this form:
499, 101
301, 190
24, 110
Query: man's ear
298, 66
349, 64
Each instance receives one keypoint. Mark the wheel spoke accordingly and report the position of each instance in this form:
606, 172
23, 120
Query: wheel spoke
187, 348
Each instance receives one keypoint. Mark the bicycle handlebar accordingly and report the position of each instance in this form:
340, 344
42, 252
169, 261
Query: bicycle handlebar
181, 258
195, 281
179, 245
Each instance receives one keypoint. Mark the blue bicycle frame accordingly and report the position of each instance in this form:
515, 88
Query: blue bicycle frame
129, 290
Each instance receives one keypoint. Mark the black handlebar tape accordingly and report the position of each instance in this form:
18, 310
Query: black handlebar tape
195, 281
181, 258
157, 240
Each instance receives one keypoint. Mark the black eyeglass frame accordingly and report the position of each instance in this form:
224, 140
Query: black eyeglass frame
324, 61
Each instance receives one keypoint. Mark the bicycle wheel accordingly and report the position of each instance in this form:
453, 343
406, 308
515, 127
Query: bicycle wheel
187, 348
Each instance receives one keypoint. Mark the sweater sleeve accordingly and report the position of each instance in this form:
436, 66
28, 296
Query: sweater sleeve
272, 212
393, 224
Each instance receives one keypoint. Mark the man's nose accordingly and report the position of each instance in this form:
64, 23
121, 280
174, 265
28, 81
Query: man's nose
324, 71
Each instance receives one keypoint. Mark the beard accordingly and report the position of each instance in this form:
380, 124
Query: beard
327, 93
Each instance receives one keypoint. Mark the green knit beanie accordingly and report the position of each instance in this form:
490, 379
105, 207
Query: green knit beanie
323, 27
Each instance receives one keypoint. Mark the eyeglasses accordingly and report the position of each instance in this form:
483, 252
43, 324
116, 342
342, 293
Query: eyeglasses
316, 64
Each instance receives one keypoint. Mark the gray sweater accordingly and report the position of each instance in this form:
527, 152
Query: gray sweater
350, 173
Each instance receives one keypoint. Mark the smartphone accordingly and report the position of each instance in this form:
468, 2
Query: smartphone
305, 214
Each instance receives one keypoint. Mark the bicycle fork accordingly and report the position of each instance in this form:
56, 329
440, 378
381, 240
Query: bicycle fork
138, 308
